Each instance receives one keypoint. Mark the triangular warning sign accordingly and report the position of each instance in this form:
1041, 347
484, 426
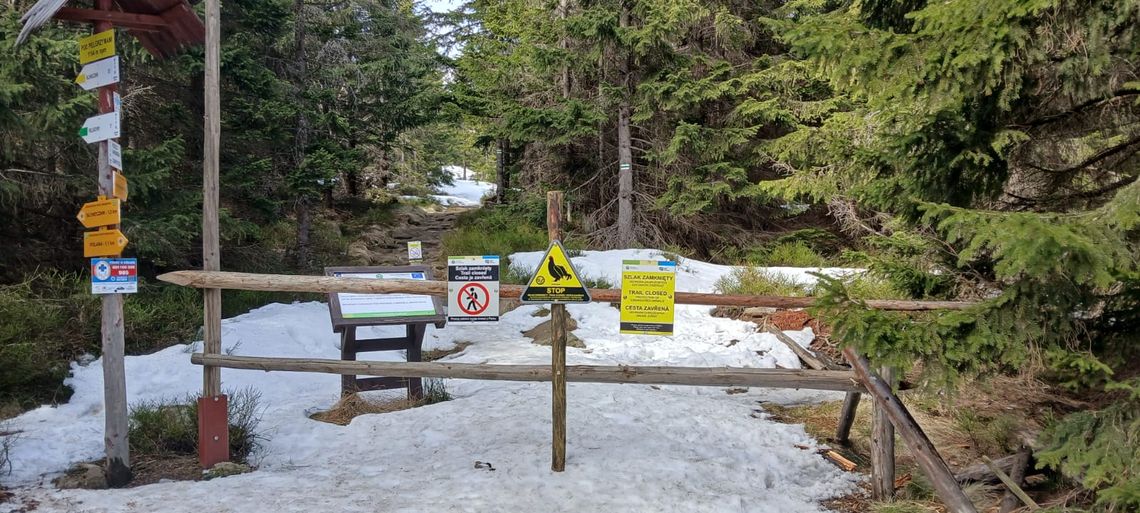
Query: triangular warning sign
555, 280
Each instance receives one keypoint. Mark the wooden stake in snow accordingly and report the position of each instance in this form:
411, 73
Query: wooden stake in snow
920, 447
557, 345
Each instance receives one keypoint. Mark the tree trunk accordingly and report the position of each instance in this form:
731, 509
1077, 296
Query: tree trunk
625, 237
563, 11
504, 181
301, 138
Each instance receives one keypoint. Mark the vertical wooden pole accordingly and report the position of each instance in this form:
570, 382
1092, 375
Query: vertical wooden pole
557, 345
920, 447
116, 445
847, 417
213, 448
882, 448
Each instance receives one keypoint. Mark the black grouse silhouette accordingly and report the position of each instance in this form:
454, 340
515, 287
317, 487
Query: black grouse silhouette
556, 271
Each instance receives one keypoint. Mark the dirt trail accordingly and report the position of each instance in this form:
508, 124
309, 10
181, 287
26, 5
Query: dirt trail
388, 244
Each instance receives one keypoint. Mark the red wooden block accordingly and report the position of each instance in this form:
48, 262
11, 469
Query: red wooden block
213, 430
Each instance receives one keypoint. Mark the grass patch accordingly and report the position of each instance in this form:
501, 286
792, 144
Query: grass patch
753, 281
170, 427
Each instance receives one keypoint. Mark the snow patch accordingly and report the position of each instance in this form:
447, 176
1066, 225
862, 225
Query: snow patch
634, 447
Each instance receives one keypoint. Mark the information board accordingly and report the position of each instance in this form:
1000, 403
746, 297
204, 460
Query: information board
370, 306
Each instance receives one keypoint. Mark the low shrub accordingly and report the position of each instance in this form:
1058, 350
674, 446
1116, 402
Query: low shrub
792, 254
758, 282
170, 427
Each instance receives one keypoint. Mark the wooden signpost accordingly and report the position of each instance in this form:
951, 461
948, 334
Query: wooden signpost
556, 281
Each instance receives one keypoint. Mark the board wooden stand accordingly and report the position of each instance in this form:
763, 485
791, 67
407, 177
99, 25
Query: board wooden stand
411, 342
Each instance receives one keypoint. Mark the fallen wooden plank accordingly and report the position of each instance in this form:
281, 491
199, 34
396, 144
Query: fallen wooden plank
328, 284
695, 376
1011, 485
920, 447
1017, 474
838, 459
982, 473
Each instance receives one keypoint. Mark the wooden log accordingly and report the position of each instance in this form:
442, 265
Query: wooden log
838, 459
1012, 485
809, 359
920, 447
133, 21
694, 376
882, 448
328, 284
847, 417
557, 347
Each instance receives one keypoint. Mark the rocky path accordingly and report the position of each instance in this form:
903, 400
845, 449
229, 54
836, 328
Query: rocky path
388, 244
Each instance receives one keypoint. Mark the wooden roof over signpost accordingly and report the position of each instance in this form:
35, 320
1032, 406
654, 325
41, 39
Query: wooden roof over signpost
163, 27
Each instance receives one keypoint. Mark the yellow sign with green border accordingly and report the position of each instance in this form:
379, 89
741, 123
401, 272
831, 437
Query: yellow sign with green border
647, 293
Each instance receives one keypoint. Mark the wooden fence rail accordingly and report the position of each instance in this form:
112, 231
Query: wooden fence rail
327, 284
842, 381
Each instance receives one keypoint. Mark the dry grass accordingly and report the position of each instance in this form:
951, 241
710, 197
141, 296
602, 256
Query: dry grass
436, 354
353, 405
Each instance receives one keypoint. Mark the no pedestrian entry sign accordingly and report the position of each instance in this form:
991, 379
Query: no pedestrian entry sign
473, 288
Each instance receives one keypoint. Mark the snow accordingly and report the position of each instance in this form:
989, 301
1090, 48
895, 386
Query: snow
633, 447
463, 193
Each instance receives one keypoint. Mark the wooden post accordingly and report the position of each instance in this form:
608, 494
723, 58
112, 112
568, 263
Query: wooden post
882, 448
847, 418
116, 445
920, 447
213, 447
557, 344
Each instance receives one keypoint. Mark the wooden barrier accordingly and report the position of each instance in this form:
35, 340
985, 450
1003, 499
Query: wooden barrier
842, 381
326, 284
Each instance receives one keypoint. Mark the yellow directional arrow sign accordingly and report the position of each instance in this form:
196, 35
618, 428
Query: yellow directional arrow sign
99, 213
103, 243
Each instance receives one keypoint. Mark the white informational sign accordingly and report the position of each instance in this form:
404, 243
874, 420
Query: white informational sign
415, 250
115, 155
367, 306
99, 74
473, 288
114, 276
100, 128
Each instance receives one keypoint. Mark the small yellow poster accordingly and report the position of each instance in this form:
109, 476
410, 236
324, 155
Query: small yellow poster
647, 288
96, 46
